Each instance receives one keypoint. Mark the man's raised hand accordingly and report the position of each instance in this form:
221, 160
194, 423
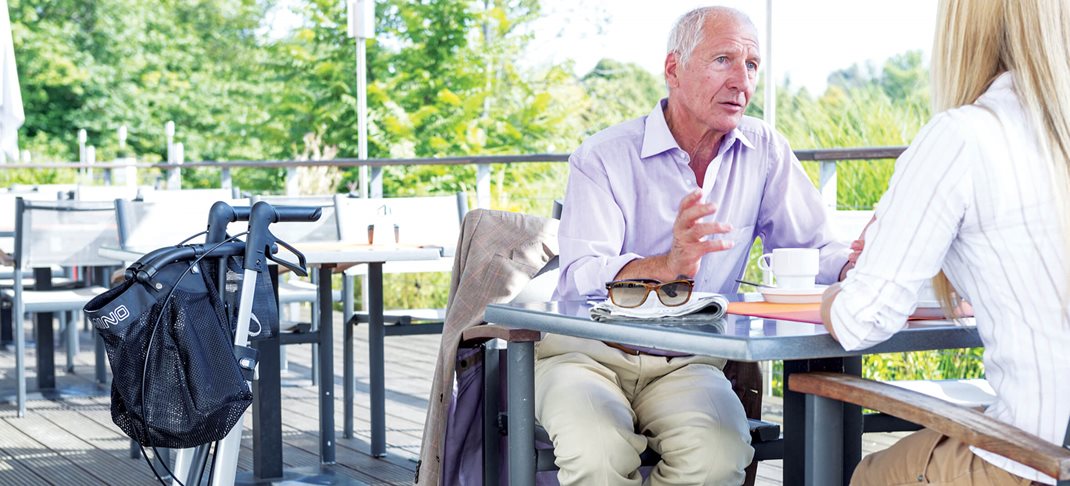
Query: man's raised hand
689, 235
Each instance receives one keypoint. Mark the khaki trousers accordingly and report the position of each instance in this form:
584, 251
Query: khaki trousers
928, 457
592, 399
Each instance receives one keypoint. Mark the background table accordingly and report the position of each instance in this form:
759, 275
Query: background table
326, 257
803, 347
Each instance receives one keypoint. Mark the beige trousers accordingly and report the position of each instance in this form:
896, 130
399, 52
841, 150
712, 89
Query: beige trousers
928, 457
592, 399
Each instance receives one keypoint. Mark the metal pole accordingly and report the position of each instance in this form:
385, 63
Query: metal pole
169, 132
90, 159
82, 137
362, 112
769, 110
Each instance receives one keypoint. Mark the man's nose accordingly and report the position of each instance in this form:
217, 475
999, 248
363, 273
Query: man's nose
738, 77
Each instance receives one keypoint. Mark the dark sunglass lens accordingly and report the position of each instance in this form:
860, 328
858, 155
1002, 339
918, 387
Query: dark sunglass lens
674, 293
627, 294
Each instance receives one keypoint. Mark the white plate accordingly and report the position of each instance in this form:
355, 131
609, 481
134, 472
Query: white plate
774, 295
928, 304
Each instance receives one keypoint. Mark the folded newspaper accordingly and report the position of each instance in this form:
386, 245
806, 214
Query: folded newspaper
701, 306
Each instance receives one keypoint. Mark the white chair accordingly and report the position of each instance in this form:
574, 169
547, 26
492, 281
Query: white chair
158, 222
47, 234
425, 221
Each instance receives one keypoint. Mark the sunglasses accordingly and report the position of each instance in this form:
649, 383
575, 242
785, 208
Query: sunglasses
633, 292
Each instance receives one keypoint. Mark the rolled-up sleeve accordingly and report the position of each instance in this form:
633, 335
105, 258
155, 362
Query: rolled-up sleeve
917, 221
793, 216
591, 234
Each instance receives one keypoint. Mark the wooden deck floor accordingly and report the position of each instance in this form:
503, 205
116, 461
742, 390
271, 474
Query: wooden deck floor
70, 440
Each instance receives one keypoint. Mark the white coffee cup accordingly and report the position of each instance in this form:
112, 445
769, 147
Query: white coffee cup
793, 268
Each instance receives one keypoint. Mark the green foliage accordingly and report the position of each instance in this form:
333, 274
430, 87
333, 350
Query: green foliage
98, 65
443, 80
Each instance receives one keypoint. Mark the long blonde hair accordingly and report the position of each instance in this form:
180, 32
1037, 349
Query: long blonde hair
976, 41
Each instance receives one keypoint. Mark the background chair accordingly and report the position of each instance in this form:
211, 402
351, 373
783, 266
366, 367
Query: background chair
425, 221
831, 390
47, 234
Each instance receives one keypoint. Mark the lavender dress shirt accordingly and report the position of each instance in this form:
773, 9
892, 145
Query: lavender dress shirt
625, 187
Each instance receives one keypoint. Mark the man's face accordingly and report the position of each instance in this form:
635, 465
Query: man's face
716, 84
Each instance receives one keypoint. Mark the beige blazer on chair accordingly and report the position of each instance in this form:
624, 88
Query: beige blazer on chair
497, 254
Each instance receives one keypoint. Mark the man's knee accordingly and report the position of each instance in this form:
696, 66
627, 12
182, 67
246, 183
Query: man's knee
596, 455
710, 454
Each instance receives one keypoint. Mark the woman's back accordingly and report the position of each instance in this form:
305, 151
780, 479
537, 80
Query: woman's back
973, 196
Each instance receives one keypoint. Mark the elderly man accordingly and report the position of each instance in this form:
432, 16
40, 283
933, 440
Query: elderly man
683, 191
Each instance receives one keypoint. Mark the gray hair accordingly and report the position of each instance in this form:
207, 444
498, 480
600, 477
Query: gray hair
687, 32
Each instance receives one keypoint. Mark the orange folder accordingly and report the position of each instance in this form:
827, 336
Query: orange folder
806, 312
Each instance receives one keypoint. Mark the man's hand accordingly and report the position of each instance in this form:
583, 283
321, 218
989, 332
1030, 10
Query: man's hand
688, 233
856, 250
688, 246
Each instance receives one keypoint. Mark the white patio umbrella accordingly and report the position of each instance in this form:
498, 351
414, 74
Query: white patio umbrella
11, 113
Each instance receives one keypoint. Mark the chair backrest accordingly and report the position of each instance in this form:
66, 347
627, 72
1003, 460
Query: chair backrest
848, 225
107, 193
43, 192
155, 195
428, 220
325, 229
146, 226
63, 233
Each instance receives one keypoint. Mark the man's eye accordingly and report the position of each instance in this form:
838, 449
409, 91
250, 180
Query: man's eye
721, 59
751, 65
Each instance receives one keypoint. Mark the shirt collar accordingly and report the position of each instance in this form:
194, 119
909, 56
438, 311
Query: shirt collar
658, 139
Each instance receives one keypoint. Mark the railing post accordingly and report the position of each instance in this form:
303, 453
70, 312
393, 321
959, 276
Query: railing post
90, 159
225, 181
483, 186
174, 175
827, 184
292, 188
377, 182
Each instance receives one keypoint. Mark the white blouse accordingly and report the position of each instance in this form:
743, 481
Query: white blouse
974, 196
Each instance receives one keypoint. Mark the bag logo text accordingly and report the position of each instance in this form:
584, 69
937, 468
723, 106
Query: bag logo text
112, 318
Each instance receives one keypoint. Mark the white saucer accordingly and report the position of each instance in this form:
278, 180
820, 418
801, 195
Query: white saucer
928, 304
774, 295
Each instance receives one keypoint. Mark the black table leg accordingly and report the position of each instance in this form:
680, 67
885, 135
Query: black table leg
326, 356
46, 359
377, 376
805, 460
6, 336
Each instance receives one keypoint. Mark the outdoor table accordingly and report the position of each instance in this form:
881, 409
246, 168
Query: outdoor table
803, 346
326, 257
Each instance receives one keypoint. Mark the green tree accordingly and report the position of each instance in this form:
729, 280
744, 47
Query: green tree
98, 65
618, 92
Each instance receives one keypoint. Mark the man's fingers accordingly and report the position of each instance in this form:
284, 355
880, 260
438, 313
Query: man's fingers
703, 229
690, 216
717, 245
858, 245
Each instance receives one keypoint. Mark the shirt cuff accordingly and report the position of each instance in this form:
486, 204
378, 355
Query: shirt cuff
591, 278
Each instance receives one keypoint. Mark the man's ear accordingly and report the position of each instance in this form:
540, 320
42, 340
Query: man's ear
670, 70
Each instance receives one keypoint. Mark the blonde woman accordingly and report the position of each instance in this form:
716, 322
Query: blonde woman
981, 195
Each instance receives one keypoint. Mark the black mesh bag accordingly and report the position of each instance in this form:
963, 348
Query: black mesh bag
176, 381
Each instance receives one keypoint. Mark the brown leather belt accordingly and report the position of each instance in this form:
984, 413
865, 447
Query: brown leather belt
624, 349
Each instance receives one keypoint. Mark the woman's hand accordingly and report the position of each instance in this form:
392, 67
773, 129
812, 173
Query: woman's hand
856, 250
